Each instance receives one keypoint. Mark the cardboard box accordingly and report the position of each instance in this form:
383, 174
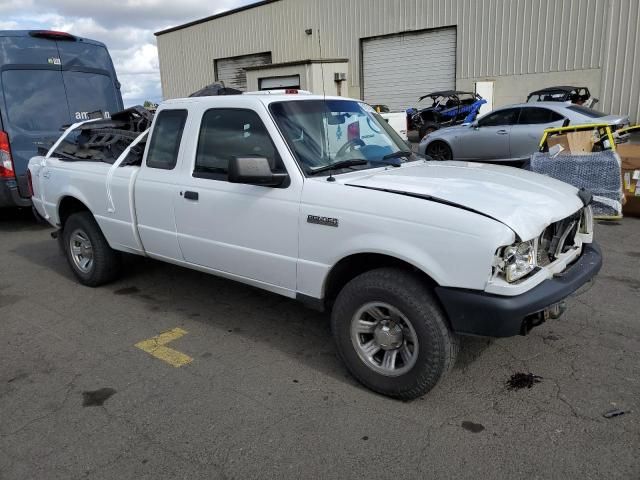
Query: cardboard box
576, 143
630, 158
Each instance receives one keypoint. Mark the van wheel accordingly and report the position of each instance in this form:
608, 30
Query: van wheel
391, 333
90, 257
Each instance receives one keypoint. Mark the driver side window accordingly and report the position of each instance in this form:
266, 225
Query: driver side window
226, 133
508, 116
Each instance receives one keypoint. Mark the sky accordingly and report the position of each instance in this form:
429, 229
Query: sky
125, 26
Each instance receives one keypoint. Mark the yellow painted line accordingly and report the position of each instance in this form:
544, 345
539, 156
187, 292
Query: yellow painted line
156, 346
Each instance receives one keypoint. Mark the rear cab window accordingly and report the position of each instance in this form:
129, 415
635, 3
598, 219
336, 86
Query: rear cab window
165, 139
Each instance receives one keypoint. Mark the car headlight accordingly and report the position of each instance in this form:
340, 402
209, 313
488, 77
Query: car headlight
519, 260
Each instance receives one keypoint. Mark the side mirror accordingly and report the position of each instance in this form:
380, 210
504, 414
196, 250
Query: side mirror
254, 171
475, 125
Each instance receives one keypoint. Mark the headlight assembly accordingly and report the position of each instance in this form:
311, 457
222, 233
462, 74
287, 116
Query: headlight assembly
518, 260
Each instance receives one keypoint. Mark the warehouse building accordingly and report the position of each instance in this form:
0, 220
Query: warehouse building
394, 51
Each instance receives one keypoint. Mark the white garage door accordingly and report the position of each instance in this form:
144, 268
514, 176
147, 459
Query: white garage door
232, 72
399, 69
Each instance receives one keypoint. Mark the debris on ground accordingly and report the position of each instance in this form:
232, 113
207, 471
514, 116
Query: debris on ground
613, 413
521, 380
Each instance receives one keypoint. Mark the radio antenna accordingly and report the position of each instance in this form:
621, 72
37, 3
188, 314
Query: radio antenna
324, 93
324, 96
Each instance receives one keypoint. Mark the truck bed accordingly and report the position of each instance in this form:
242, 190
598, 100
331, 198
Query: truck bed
107, 190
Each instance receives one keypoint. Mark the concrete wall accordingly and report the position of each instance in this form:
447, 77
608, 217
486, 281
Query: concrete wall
509, 89
512, 41
316, 77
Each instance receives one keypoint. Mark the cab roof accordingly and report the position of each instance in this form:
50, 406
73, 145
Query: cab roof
264, 99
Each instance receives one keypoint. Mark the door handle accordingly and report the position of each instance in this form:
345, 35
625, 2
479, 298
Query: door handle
502, 132
189, 195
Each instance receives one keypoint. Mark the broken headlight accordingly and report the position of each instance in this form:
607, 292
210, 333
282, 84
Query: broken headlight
518, 260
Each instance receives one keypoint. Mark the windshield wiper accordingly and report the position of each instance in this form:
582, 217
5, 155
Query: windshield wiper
340, 164
398, 154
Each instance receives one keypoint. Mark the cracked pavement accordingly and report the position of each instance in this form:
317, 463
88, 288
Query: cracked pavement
266, 397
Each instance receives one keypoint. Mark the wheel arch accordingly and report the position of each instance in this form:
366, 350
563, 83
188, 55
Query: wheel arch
356, 264
69, 205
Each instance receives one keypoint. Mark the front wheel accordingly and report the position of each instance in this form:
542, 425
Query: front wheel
439, 151
391, 333
89, 255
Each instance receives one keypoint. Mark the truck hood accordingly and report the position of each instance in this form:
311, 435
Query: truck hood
524, 201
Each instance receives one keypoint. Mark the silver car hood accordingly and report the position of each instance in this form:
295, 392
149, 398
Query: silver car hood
524, 201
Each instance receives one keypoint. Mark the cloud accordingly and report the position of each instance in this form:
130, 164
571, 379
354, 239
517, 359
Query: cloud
125, 27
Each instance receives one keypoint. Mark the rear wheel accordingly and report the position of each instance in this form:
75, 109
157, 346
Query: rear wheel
439, 151
391, 333
90, 257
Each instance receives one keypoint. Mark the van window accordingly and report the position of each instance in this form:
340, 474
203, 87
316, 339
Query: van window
165, 139
35, 100
83, 54
88, 92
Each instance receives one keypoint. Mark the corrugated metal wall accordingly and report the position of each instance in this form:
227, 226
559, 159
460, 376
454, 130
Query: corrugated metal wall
495, 38
621, 60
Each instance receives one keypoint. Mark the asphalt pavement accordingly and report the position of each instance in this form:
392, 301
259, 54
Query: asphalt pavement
260, 393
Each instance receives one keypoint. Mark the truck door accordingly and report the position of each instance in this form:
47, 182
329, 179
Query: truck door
156, 186
247, 231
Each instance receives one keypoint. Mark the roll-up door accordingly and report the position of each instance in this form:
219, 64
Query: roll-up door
232, 72
398, 69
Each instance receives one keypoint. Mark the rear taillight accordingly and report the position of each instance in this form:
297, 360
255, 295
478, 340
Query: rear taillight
6, 162
30, 182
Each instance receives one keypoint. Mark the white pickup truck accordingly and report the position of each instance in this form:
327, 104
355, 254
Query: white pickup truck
317, 199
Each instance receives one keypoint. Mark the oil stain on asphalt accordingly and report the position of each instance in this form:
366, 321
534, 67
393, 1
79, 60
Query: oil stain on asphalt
472, 427
96, 398
522, 380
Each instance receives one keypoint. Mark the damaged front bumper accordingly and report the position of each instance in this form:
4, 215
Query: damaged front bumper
473, 312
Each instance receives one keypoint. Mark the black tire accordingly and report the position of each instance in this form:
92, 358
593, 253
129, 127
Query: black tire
437, 345
439, 151
106, 263
427, 128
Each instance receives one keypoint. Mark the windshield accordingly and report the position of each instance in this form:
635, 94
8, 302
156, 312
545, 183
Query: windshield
324, 132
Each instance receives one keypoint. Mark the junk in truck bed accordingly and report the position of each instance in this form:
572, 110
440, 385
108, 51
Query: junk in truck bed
104, 140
